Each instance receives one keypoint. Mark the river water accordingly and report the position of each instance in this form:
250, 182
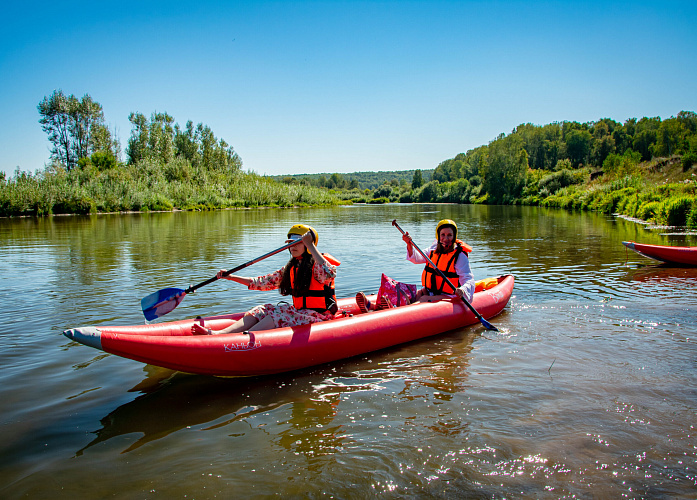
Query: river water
588, 390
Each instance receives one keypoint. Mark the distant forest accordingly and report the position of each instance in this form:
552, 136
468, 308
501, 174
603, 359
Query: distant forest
354, 180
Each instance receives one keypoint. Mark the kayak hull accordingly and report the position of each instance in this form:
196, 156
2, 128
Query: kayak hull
664, 253
171, 344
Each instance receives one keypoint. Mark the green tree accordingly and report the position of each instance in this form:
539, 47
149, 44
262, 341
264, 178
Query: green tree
151, 139
442, 171
476, 162
55, 121
75, 127
384, 191
672, 137
603, 141
624, 135
578, 146
137, 149
161, 137
86, 116
688, 120
336, 181
645, 136
162, 140
622, 165
185, 142
418, 180
429, 192
564, 164
103, 141
506, 170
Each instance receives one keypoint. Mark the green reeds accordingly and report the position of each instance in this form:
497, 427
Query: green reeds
148, 186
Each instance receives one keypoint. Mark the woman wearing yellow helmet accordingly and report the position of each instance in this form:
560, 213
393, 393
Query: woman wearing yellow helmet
450, 255
308, 277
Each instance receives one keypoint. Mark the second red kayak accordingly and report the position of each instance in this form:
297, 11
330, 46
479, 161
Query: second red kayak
664, 253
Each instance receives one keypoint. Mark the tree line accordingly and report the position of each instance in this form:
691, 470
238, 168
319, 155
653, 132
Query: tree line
530, 164
510, 163
79, 137
356, 180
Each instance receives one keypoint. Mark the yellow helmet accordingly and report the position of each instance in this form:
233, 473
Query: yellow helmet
301, 229
446, 222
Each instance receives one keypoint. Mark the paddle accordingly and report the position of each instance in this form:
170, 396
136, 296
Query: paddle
164, 301
484, 322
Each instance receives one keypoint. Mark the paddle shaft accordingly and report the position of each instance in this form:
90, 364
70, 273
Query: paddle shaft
164, 301
484, 322
193, 288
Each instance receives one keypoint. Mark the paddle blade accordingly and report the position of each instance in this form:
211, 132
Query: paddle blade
161, 302
488, 325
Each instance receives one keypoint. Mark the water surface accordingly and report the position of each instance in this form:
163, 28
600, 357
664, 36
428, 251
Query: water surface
587, 391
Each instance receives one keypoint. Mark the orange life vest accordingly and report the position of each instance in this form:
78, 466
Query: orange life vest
318, 297
432, 280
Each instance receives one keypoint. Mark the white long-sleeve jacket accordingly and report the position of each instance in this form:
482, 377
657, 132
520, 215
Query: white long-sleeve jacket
462, 268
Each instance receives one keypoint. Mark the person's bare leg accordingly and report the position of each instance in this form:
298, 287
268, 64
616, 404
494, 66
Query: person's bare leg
245, 323
432, 298
265, 324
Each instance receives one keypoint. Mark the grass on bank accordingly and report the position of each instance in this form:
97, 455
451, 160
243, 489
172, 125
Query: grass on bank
661, 192
147, 186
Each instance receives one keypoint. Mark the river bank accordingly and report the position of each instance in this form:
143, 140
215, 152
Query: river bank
661, 191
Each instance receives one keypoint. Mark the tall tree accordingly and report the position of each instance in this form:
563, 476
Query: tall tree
87, 116
578, 146
418, 179
506, 169
137, 149
55, 121
73, 126
185, 142
669, 138
603, 142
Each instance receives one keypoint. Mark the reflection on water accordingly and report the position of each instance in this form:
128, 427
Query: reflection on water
171, 401
667, 273
588, 387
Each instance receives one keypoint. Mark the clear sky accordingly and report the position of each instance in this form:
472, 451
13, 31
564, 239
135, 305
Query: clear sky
344, 86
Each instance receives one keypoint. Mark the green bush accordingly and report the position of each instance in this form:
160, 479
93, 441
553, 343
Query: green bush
558, 180
674, 210
647, 211
384, 191
406, 197
688, 160
692, 217
178, 170
77, 203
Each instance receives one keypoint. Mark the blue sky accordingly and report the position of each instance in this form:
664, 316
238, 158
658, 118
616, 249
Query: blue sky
344, 86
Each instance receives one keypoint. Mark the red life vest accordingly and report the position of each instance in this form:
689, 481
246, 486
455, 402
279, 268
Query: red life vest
318, 297
432, 280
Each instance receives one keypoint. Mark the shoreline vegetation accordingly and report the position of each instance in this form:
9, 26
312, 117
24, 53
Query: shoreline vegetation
644, 169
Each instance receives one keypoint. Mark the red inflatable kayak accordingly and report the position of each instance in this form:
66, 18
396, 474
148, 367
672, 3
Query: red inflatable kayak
663, 253
171, 344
